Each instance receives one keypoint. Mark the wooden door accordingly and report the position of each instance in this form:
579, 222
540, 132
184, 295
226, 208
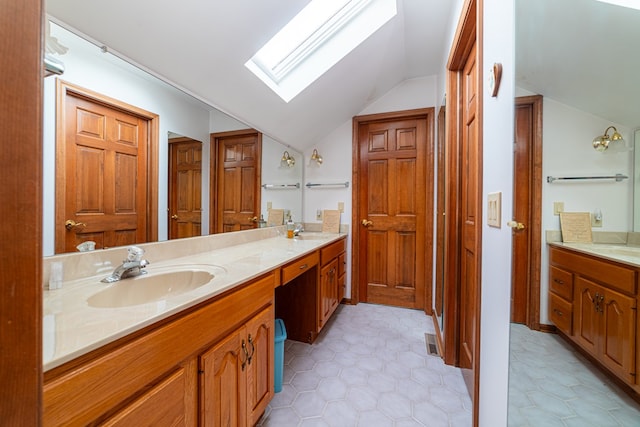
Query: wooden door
223, 383
101, 170
185, 188
526, 242
392, 200
470, 232
617, 313
21, 86
236, 159
585, 322
260, 339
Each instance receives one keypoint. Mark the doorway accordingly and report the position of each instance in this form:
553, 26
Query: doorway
527, 199
106, 168
393, 208
236, 158
185, 187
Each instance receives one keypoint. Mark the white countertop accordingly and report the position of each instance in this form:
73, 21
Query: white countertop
620, 253
71, 327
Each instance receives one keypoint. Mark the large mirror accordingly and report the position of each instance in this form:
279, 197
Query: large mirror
581, 56
95, 69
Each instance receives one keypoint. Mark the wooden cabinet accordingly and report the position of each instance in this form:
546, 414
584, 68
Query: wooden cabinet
330, 281
594, 303
237, 374
153, 373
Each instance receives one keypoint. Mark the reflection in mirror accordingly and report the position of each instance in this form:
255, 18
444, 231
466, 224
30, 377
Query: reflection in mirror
93, 68
636, 180
185, 187
281, 184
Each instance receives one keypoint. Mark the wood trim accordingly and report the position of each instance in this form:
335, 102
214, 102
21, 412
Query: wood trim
21, 116
428, 113
62, 89
213, 171
535, 244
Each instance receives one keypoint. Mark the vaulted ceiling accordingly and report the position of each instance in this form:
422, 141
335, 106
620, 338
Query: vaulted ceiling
202, 46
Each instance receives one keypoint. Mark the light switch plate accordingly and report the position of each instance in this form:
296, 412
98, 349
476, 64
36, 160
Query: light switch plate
341, 206
269, 206
494, 209
558, 207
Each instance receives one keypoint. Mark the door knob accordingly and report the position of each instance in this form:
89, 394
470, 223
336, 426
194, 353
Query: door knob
516, 225
174, 216
69, 224
367, 223
254, 219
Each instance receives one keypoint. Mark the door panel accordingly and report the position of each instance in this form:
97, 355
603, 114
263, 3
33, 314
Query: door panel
185, 188
470, 225
102, 158
393, 197
237, 197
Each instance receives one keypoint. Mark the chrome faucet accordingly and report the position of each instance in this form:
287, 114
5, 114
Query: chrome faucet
299, 228
132, 266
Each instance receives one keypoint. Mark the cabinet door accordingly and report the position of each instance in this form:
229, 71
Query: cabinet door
260, 343
222, 390
618, 317
165, 404
586, 319
328, 291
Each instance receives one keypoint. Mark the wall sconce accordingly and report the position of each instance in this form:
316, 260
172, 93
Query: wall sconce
287, 160
601, 142
317, 157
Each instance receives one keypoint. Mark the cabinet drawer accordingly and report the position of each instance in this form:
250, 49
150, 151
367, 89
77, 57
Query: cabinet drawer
333, 250
561, 313
561, 283
342, 264
299, 266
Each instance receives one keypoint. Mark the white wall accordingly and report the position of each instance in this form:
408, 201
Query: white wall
498, 46
272, 173
88, 67
336, 150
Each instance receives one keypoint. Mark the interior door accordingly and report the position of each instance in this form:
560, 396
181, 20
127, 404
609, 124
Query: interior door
101, 168
236, 162
527, 167
470, 239
185, 188
392, 210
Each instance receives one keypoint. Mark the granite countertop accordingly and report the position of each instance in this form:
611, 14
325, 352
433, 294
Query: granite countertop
71, 327
616, 252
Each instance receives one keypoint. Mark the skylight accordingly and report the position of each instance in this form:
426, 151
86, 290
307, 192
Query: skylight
323, 33
632, 4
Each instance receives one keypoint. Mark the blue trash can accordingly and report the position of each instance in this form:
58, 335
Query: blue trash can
280, 336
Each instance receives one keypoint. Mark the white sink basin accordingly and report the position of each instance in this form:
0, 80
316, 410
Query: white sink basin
149, 288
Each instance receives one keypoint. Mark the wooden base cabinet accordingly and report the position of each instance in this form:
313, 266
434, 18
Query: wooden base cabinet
331, 280
603, 308
237, 375
210, 365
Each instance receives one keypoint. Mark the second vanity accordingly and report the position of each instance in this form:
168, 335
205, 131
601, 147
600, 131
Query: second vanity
593, 300
201, 356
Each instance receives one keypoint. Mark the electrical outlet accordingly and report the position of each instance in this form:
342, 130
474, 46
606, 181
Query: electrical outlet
341, 206
596, 219
558, 207
269, 206
319, 215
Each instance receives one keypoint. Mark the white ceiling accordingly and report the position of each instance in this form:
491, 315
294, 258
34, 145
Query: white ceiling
583, 53
202, 46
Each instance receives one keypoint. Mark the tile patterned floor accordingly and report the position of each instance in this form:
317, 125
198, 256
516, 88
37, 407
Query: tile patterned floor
369, 367
550, 384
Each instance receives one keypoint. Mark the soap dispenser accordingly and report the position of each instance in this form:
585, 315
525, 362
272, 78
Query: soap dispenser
290, 228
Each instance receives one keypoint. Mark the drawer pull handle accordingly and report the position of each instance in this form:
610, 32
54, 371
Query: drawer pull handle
558, 281
303, 266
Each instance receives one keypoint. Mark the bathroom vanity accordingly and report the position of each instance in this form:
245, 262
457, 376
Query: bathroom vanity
204, 356
593, 300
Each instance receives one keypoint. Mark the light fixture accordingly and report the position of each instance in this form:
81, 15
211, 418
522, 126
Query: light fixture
601, 142
287, 160
317, 157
